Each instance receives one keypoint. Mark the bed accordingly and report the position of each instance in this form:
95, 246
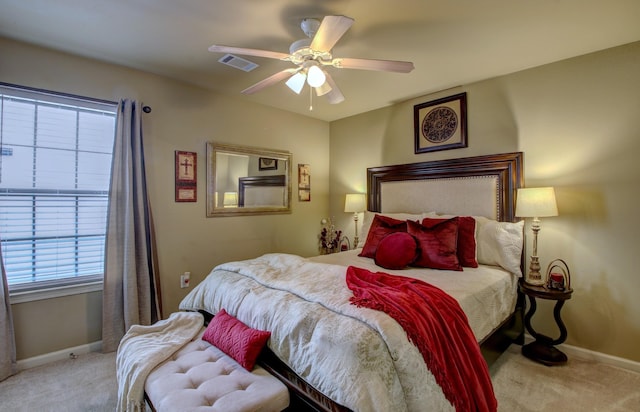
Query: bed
334, 356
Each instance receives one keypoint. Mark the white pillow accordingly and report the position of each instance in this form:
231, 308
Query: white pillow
500, 243
368, 218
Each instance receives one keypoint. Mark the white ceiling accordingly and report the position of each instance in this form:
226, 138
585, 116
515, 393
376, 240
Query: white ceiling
451, 42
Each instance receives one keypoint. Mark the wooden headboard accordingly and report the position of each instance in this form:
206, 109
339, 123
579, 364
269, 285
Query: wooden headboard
477, 186
258, 181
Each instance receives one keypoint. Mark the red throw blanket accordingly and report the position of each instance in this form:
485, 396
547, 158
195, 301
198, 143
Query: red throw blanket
436, 324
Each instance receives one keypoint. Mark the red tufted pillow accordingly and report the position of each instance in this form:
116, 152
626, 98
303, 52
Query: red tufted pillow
396, 251
381, 226
236, 339
466, 247
437, 244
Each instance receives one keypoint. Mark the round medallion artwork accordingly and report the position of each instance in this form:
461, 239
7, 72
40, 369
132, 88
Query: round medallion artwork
440, 124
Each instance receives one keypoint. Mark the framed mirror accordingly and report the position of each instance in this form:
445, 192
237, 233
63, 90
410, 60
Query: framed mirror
244, 180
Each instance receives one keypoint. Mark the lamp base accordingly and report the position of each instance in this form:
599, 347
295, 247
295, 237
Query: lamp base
534, 277
355, 222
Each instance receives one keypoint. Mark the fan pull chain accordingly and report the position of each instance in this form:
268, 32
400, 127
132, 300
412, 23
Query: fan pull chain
310, 99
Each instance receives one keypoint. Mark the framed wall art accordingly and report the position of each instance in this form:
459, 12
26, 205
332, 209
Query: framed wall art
186, 169
441, 124
266, 163
304, 183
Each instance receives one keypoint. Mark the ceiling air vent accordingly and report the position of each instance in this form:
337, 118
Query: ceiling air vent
237, 62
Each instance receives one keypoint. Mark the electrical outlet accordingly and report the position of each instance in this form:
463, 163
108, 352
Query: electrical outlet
184, 280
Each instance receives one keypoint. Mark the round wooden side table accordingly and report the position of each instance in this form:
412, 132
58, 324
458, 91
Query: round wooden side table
543, 349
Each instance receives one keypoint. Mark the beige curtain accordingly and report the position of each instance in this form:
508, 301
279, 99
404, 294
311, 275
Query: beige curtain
131, 294
7, 339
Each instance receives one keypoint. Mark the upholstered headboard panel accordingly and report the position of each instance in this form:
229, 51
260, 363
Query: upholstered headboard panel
474, 196
262, 191
476, 186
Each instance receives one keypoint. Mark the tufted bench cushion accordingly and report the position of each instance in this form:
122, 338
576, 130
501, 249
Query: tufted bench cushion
200, 377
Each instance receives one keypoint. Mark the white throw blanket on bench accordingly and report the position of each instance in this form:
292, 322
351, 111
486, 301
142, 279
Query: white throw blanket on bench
143, 348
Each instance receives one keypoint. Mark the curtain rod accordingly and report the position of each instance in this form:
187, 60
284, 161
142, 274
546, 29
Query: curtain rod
146, 109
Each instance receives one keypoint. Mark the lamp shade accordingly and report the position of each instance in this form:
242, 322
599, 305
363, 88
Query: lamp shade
315, 76
355, 203
230, 199
536, 202
296, 82
324, 89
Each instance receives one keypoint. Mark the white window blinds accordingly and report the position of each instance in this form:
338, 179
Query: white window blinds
55, 168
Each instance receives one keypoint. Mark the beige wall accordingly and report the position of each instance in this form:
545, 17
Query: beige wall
183, 118
577, 123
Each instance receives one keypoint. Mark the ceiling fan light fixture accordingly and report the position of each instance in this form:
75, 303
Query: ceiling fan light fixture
296, 82
315, 76
311, 55
299, 45
310, 27
324, 89
335, 96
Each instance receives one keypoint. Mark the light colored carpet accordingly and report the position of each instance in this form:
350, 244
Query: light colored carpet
84, 384
87, 384
581, 385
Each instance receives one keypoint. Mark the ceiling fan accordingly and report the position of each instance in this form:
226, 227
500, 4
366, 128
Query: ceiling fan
311, 55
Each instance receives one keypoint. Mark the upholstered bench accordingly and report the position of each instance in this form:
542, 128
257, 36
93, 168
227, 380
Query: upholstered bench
201, 377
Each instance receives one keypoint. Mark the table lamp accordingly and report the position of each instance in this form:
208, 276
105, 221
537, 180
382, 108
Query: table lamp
230, 199
536, 203
355, 203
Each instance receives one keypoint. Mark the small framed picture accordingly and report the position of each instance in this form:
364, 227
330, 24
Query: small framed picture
186, 168
266, 163
304, 177
304, 183
441, 124
186, 194
304, 195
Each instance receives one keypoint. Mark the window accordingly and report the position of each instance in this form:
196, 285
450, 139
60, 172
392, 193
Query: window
55, 167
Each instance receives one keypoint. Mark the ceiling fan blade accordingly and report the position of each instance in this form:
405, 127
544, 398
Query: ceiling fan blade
369, 64
269, 81
334, 96
249, 52
330, 31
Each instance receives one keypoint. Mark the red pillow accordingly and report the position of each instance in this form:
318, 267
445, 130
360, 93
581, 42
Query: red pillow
381, 226
437, 244
466, 239
236, 339
396, 251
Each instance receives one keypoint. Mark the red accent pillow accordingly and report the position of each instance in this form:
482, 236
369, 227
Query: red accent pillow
381, 226
236, 339
466, 239
396, 251
437, 244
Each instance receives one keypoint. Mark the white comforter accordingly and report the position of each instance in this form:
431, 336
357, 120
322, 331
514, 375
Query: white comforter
358, 357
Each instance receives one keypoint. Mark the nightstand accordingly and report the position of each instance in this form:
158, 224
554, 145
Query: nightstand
543, 349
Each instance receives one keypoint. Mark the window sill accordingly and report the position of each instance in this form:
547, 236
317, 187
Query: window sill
54, 292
